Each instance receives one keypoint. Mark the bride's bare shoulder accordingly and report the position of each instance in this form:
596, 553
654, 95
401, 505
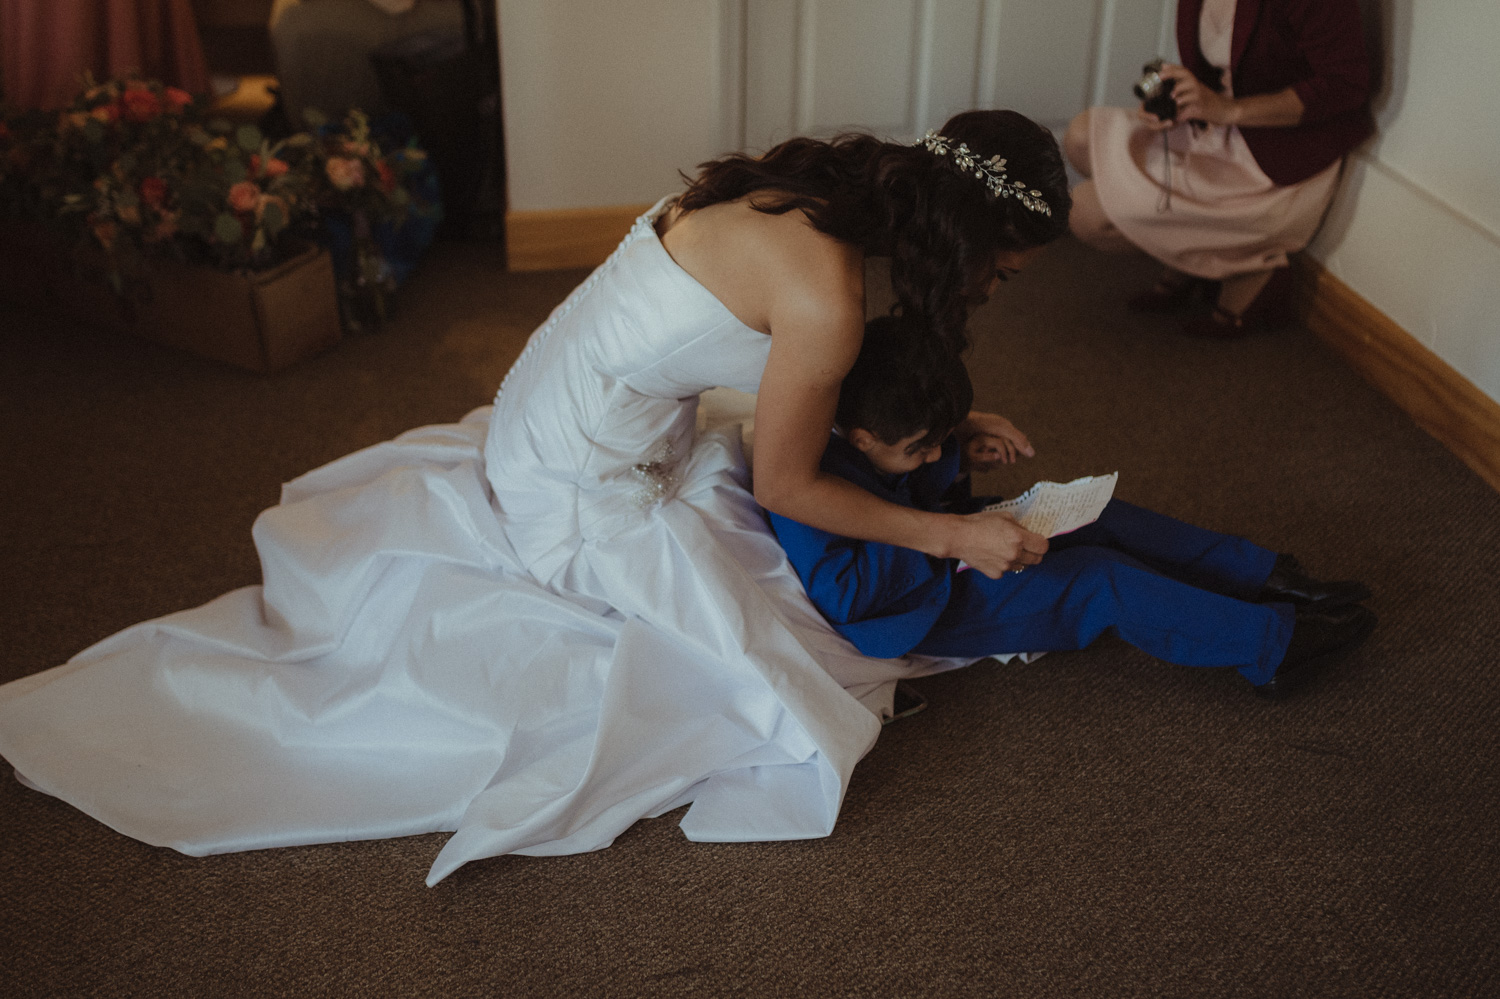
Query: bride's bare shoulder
761, 264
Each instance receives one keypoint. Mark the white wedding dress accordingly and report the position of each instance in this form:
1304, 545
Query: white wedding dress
532, 627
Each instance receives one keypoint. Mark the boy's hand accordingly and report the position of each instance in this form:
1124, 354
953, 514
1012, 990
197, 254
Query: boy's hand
989, 441
986, 451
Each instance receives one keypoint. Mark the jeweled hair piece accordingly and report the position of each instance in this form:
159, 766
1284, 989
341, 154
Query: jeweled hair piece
991, 171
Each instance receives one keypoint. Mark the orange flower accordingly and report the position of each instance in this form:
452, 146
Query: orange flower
153, 191
344, 173
166, 228
244, 196
105, 233
270, 169
105, 113
139, 104
177, 98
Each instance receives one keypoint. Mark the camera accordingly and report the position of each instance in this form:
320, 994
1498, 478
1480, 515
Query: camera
1155, 91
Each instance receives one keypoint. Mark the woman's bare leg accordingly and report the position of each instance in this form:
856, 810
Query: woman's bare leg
1239, 309
1237, 292
1090, 224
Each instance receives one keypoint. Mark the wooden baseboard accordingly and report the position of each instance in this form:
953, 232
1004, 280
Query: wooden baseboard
1442, 401
573, 237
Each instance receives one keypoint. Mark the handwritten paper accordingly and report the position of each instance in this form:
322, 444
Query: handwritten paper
1053, 508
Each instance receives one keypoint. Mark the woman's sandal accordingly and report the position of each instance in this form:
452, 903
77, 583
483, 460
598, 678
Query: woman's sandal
1271, 309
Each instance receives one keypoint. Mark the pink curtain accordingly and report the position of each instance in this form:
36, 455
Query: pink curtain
46, 45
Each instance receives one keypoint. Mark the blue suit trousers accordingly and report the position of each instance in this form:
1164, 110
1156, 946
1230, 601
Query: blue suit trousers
1178, 592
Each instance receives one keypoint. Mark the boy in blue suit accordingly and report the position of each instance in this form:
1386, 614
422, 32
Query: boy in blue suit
1178, 592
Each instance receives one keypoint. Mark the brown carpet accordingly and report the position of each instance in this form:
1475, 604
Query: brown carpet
1096, 824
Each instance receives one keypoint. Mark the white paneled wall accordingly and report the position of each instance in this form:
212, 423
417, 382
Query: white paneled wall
604, 101
899, 67
1416, 228
651, 86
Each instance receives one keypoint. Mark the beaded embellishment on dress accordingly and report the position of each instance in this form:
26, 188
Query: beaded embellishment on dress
657, 475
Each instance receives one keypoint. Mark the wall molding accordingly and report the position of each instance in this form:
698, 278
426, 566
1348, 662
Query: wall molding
1443, 402
566, 238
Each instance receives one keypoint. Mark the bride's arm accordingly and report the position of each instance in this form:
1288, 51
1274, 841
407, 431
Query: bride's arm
817, 324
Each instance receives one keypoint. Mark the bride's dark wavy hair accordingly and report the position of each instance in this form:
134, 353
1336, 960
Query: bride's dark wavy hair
940, 225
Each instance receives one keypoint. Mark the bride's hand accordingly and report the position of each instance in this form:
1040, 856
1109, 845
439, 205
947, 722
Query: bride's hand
993, 543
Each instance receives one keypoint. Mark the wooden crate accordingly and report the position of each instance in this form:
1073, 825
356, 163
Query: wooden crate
263, 321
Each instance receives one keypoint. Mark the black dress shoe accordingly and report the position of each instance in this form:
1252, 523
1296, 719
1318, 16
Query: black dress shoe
1318, 636
1290, 583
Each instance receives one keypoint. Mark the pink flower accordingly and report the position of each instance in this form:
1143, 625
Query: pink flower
344, 173
153, 191
244, 196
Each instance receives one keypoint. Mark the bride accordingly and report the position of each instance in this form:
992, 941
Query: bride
566, 612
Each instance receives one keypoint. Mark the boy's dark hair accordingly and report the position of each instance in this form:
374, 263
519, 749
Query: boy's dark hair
900, 386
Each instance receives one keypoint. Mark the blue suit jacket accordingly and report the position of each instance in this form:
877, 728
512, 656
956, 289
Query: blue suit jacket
883, 598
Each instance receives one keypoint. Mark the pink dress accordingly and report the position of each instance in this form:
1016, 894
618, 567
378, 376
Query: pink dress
1223, 216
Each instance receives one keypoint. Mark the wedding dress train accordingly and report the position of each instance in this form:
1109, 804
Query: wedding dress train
532, 628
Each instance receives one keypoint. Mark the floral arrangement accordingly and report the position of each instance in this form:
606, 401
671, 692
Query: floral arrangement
363, 196
136, 168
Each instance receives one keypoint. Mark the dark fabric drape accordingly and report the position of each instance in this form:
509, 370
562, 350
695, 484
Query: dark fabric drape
47, 45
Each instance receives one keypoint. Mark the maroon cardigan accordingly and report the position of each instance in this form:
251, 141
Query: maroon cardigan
1317, 47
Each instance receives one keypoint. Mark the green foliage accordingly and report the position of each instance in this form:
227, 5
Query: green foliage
136, 167
227, 229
